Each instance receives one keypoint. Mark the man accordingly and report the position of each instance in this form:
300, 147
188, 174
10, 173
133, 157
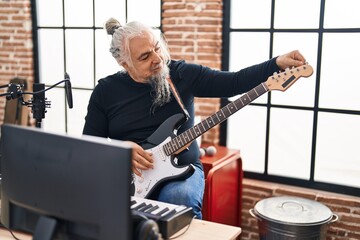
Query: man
131, 104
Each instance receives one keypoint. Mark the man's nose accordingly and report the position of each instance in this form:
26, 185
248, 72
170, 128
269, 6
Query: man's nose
157, 57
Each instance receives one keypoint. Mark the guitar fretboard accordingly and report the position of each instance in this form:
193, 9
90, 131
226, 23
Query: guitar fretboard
191, 134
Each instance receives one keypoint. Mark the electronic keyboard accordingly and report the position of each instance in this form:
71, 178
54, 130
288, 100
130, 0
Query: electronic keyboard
170, 217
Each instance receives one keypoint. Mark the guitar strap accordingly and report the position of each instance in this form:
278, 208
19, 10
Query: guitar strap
177, 97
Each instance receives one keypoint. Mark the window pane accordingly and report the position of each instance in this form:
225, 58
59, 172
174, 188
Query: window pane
49, 13
76, 115
148, 13
302, 93
295, 14
337, 149
290, 143
248, 49
78, 13
342, 14
105, 9
339, 72
54, 120
105, 63
51, 55
80, 57
250, 14
247, 132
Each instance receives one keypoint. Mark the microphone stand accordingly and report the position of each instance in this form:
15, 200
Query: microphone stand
38, 103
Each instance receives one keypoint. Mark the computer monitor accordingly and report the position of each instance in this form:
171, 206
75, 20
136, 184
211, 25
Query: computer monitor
67, 187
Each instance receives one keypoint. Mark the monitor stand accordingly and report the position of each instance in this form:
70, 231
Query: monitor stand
45, 228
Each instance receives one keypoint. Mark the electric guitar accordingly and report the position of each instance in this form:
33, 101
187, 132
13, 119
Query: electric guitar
165, 144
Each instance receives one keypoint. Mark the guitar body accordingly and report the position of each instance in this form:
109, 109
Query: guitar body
165, 167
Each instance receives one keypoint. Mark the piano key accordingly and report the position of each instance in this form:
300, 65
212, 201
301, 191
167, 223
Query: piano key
143, 209
139, 206
152, 209
161, 211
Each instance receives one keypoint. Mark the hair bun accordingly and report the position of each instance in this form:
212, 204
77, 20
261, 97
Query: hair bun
111, 25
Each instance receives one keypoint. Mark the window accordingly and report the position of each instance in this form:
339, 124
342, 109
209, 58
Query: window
69, 37
309, 135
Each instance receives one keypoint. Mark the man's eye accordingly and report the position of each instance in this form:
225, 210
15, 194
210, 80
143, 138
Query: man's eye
145, 57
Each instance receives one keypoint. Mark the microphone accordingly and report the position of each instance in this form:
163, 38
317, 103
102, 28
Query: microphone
38, 103
68, 91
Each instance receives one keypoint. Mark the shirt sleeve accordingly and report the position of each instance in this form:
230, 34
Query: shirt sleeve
213, 83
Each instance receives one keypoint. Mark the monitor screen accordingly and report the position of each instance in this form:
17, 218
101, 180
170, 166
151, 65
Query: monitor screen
76, 188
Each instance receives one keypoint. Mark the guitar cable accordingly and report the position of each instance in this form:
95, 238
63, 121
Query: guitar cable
10, 231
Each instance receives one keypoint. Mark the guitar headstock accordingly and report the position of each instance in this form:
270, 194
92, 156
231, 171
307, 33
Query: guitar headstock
283, 80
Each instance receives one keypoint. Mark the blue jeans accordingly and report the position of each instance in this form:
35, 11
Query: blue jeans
188, 192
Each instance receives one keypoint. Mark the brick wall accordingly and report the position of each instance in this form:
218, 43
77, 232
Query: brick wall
16, 56
193, 30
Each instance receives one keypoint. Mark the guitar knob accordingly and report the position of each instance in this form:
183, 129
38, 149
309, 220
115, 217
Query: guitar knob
139, 190
141, 180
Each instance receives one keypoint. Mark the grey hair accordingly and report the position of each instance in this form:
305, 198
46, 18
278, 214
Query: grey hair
121, 36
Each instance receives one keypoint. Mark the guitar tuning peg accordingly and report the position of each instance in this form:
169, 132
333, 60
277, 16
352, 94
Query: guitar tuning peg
287, 69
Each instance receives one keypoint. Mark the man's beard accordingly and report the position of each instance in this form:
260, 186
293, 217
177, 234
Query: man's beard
160, 88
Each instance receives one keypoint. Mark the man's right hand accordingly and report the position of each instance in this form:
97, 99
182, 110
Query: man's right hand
141, 159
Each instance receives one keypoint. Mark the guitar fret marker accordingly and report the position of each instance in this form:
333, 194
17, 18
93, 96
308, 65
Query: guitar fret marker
207, 123
217, 117
241, 101
187, 135
222, 112
235, 107
196, 130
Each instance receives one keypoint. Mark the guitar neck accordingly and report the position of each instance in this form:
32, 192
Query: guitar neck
178, 143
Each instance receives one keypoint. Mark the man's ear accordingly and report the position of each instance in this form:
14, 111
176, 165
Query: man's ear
123, 64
